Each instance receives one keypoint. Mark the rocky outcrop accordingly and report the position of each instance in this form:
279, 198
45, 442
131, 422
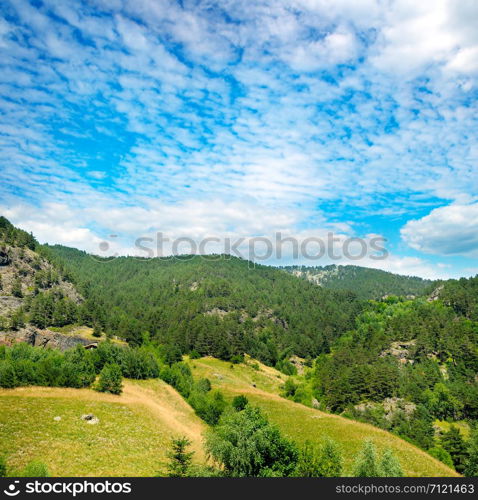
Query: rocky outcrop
8, 304
42, 338
400, 350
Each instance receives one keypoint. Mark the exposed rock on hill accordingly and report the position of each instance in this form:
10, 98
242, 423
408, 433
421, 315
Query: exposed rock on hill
42, 338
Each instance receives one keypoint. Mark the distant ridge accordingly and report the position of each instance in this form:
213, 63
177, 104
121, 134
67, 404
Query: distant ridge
365, 282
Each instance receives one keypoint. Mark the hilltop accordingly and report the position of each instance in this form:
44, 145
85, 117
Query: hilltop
365, 282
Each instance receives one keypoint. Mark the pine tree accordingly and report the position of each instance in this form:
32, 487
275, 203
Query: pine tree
17, 319
456, 447
97, 330
179, 459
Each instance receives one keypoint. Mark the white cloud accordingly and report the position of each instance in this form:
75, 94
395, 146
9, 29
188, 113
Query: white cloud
450, 230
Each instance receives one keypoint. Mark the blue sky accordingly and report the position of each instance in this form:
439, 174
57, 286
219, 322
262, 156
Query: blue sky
241, 119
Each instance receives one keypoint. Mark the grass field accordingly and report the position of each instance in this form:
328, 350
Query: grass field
131, 438
82, 331
301, 423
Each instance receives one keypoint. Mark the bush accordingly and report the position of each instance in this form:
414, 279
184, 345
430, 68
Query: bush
3, 466
203, 385
324, 461
440, 454
389, 465
366, 463
454, 444
247, 445
8, 378
240, 402
110, 379
286, 367
208, 406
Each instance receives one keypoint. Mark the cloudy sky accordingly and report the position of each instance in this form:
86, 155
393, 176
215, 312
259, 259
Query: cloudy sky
239, 118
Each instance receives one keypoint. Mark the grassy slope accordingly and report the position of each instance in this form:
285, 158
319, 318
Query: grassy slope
82, 331
301, 423
131, 439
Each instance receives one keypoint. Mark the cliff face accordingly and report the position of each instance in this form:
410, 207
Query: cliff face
41, 338
23, 273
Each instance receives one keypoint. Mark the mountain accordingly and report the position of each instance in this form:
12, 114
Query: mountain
406, 365
217, 305
365, 282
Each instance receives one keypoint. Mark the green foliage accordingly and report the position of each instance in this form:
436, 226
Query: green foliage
440, 454
35, 469
240, 402
52, 308
366, 463
390, 465
216, 308
286, 367
111, 379
8, 378
417, 351
23, 364
179, 458
471, 469
247, 445
208, 405
17, 288
12, 236
323, 461
455, 445
290, 388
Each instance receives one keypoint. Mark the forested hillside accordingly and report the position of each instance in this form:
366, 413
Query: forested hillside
366, 283
409, 366
215, 306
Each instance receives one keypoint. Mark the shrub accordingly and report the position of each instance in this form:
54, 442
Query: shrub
110, 379
440, 454
323, 461
366, 463
8, 378
240, 402
389, 465
247, 445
